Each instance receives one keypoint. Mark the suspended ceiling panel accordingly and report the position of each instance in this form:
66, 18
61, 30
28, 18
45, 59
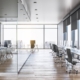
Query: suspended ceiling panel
50, 10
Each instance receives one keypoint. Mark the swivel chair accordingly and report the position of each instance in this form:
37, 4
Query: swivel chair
71, 62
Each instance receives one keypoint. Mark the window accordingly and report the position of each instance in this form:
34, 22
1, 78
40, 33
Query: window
10, 34
50, 35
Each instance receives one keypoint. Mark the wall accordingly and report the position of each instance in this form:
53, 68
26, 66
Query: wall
60, 34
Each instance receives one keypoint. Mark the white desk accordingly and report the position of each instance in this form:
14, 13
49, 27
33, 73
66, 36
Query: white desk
73, 50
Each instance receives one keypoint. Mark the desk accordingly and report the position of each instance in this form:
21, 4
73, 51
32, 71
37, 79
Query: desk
73, 50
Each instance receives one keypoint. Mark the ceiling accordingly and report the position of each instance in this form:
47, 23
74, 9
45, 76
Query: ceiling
50, 11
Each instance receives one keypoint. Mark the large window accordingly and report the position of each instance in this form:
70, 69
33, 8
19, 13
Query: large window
50, 35
25, 35
79, 33
22, 34
69, 42
75, 38
10, 34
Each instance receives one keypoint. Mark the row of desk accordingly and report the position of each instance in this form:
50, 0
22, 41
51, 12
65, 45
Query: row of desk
74, 51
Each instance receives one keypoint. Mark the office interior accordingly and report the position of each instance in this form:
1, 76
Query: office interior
54, 28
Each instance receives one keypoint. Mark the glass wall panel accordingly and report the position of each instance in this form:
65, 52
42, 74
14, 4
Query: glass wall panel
19, 37
25, 33
8, 48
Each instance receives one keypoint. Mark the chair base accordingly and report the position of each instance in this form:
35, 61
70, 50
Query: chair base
72, 71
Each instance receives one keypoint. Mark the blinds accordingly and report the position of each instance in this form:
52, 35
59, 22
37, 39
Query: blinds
79, 14
68, 21
64, 26
74, 21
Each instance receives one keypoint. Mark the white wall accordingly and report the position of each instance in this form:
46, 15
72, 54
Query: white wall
60, 34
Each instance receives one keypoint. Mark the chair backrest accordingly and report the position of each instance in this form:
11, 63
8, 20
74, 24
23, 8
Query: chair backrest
69, 55
32, 43
50, 46
57, 50
54, 47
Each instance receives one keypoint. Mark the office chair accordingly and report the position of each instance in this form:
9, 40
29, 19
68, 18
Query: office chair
33, 47
52, 48
71, 61
59, 55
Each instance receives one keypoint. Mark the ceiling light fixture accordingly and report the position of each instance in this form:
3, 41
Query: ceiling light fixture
21, 9
37, 18
35, 2
36, 14
35, 9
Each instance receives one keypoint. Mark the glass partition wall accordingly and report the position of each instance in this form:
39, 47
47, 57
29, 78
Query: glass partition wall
19, 37
8, 48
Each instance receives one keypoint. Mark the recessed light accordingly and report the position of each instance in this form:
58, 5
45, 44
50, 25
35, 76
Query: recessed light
35, 9
5, 14
36, 14
37, 18
35, 2
21, 9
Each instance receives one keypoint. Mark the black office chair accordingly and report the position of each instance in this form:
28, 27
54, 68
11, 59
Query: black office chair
59, 55
71, 61
54, 50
